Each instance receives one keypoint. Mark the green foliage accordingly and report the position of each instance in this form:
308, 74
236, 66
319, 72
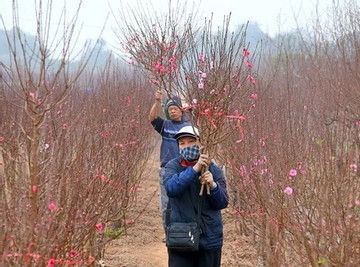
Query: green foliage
115, 233
321, 261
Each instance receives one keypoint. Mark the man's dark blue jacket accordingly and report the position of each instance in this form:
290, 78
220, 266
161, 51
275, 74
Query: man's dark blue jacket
183, 187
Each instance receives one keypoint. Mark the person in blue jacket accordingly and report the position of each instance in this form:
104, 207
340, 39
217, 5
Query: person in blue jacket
169, 149
183, 182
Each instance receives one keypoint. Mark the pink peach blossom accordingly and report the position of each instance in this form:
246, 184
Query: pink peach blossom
353, 167
254, 96
99, 227
121, 146
51, 262
251, 79
52, 206
73, 253
288, 191
246, 52
292, 172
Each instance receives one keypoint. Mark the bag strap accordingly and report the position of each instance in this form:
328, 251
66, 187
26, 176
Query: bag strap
198, 220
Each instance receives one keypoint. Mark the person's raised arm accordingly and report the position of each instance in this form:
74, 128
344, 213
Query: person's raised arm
155, 107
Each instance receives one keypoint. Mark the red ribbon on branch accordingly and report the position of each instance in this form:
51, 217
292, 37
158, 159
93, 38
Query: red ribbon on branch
207, 112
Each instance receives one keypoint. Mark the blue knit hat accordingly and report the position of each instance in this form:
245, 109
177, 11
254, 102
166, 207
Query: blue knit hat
174, 101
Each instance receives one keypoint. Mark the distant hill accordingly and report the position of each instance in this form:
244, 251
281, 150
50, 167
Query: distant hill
254, 35
102, 54
4, 48
99, 57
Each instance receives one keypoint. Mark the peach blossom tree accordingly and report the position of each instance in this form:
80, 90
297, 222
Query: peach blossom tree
296, 178
154, 42
71, 152
210, 69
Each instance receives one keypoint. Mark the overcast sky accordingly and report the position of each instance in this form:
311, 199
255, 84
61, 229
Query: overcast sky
269, 14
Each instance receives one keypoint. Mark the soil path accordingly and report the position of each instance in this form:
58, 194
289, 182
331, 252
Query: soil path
143, 246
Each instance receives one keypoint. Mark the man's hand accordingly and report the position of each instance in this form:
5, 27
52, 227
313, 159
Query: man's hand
154, 109
158, 95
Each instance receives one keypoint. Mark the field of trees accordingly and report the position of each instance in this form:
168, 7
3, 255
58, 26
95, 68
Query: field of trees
282, 116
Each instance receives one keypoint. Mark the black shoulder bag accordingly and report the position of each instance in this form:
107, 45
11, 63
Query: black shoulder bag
184, 236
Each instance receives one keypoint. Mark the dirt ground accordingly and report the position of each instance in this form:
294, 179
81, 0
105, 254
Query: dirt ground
143, 246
